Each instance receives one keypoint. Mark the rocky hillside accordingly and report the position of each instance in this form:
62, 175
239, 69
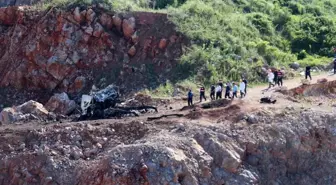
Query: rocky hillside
71, 50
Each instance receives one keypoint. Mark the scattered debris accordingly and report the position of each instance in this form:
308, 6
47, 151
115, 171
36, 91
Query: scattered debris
165, 116
102, 104
268, 100
323, 80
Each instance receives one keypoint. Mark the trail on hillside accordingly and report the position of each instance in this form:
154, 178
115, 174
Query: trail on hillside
255, 93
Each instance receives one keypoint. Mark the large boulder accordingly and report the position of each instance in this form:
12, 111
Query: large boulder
106, 20
117, 22
61, 104
27, 111
128, 26
77, 15
90, 16
295, 66
9, 115
33, 107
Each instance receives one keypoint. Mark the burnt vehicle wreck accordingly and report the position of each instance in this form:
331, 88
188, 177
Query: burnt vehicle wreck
106, 103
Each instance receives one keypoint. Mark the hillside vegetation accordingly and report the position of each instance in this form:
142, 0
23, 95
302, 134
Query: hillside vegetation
234, 37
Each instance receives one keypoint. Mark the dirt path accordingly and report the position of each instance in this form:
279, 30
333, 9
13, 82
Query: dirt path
255, 93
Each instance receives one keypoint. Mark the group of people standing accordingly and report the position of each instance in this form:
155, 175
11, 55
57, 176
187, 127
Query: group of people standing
231, 91
275, 77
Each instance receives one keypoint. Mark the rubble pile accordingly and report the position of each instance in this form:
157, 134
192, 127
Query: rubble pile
324, 89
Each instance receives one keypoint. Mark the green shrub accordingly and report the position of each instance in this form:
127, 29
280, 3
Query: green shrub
302, 55
262, 23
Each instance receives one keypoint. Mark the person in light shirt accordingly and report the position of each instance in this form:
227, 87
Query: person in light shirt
270, 77
218, 92
242, 89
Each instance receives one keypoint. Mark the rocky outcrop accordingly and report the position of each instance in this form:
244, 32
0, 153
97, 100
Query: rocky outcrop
70, 51
281, 148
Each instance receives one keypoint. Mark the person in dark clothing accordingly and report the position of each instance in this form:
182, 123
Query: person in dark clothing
227, 91
190, 98
308, 68
202, 94
245, 81
335, 66
234, 90
212, 92
280, 77
275, 72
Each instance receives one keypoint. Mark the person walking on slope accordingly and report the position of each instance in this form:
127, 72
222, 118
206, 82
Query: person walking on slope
218, 92
227, 91
190, 98
245, 81
307, 73
270, 77
212, 92
235, 90
275, 80
202, 94
242, 89
280, 77
334, 66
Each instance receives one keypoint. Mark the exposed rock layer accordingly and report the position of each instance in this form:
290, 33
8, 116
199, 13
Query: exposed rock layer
69, 51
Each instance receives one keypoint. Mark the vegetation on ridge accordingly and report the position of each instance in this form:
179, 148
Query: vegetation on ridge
235, 37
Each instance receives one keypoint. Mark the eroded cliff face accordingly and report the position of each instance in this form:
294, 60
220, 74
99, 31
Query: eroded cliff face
71, 50
285, 146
